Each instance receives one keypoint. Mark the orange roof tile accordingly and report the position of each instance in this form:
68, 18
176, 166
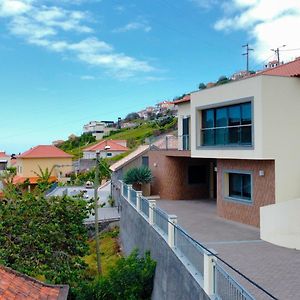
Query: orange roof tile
114, 146
17, 286
32, 180
290, 69
3, 154
186, 98
44, 151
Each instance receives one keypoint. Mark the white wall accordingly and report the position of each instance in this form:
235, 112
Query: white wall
184, 110
227, 94
280, 224
281, 125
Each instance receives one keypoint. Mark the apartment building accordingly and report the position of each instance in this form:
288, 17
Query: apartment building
238, 146
99, 128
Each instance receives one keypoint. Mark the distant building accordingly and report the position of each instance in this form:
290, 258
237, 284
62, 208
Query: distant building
57, 142
99, 128
4, 161
107, 148
129, 125
272, 64
239, 75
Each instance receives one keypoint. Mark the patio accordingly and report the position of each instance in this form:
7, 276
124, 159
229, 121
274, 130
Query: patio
275, 268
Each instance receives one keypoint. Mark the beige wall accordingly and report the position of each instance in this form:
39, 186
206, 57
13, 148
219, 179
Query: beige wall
30, 165
280, 224
281, 124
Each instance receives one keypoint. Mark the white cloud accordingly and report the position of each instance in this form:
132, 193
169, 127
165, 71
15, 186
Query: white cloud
134, 26
269, 24
13, 7
43, 26
87, 77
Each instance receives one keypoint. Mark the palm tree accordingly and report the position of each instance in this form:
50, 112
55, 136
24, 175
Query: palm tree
44, 177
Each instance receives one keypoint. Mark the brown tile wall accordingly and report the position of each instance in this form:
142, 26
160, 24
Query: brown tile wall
170, 176
263, 190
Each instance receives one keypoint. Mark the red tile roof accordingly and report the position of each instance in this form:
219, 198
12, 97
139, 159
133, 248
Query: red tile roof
17, 286
114, 146
32, 180
186, 98
290, 69
44, 151
3, 154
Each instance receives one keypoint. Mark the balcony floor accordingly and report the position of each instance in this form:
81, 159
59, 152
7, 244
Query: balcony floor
275, 268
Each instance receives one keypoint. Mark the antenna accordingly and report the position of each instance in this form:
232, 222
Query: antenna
247, 54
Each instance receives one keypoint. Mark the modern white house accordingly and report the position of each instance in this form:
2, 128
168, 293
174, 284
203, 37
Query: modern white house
238, 146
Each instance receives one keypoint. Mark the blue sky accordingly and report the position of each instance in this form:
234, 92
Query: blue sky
64, 63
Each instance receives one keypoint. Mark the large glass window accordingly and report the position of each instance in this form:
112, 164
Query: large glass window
240, 186
228, 125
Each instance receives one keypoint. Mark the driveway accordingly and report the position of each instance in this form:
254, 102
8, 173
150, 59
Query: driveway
275, 268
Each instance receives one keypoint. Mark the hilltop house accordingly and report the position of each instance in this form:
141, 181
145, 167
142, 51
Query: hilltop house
43, 156
107, 148
99, 128
238, 146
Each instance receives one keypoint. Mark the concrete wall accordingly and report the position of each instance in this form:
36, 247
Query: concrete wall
170, 176
172, 279
103, 154
280, 224
263, 190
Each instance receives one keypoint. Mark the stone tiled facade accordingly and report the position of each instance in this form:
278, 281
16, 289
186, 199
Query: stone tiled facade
263, 190
170, 176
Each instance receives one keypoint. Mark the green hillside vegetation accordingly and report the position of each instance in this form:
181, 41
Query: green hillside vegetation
134, 136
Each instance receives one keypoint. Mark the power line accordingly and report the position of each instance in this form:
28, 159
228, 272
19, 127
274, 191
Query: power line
277, 53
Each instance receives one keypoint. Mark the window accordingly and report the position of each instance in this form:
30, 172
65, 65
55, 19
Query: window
227, 126
239, 186
145, 161
108, 154
197, 174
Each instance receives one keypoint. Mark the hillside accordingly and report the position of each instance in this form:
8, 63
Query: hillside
134, 136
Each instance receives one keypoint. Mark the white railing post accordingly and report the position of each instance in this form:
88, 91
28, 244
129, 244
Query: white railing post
121, 186
208, 276
152, 205
138, 200
129, 191
171, 230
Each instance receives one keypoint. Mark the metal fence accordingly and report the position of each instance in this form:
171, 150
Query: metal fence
144, 206
188, 248
161, 219
193, 254
226, 288
133, 196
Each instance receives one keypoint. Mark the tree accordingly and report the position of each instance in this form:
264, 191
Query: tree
141, 175
44, 238
222, 80
44, 178
132, 116
201, 86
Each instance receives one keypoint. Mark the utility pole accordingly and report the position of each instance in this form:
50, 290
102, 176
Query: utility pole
96, 186
247, 54
277, 53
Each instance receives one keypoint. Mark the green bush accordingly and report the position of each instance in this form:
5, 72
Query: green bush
137, 175
131, 279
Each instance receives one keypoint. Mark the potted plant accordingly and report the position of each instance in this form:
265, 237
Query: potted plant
140, 178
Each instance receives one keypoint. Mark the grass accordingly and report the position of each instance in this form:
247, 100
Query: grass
110, 252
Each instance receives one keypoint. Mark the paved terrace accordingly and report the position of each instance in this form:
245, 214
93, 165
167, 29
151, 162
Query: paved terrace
275, 268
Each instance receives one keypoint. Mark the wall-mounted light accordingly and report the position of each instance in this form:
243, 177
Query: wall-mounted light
155, 165
261, 173
215, 169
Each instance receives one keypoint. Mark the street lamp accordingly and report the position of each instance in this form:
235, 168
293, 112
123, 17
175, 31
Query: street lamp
96, 185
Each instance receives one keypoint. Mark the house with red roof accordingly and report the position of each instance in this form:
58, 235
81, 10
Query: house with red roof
28, 164
17, 286
106, 148
4, 160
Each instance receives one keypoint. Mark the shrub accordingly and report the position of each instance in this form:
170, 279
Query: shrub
137, 175
131, 278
